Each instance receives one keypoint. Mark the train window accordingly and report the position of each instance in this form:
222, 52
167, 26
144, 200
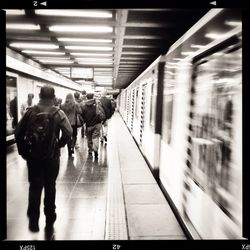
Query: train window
169, 83
137, 103
216, 127
11, 106
167, 118
152, 105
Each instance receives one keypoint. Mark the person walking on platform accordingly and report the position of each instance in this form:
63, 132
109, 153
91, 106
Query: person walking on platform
28, 104
92, 116
84, 99
71, 110
58, 102
38, 142
80, 124
108, 109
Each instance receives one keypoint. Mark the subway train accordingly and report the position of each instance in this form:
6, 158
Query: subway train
185, 114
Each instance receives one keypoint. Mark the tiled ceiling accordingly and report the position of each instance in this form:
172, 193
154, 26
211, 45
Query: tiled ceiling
112, 46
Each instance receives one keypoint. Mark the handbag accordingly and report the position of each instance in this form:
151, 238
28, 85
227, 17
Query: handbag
79, 121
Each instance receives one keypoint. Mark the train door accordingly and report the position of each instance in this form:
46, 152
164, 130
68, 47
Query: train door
11, 105
214, 200
132, 109
128, 106
143, 111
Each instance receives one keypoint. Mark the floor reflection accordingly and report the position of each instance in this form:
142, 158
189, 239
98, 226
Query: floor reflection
81, 193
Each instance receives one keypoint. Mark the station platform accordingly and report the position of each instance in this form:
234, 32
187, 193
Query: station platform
113, 198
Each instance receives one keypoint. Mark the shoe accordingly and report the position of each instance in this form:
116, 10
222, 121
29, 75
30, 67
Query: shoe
96, 154
33, 225
50, 222
49, 233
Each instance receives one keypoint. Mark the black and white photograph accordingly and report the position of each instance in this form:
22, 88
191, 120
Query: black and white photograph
124, 125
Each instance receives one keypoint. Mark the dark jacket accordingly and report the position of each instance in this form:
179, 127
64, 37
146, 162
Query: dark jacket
61, 123
89, 114
107, 106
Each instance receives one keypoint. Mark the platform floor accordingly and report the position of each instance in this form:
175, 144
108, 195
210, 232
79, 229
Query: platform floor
112, 198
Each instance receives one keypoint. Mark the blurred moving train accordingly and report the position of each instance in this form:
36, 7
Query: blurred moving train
185, 113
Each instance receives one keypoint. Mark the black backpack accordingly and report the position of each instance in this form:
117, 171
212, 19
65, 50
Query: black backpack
40, 140
100, 111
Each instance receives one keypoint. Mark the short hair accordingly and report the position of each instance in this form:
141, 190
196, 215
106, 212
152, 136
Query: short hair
90, 96
77, 95
47, 92
31, 94
84, 92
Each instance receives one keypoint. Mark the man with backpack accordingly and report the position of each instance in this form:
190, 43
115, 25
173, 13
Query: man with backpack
108, 109
93, 115
38, 142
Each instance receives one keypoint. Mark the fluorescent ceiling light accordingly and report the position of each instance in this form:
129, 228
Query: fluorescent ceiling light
187, 53
81, 28
80, 81
55, 62
126, 63
133, 58
34, 45
90, 54
197, 46
15, 12
177, 59
214, 35
94, 59
51, 58
95, 63
89, 40
42, 52
74, 13
136, 53
19, 26
99, 48
103, 69
233, 23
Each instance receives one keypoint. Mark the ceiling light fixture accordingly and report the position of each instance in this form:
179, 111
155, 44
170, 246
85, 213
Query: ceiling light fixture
97, 48
81, 28
15, 12
197, 46
34, 45
51, 58
89, 40
214, 35
42, 52
96, 63
19, 26
233, 23
94, 59
90, 54
103, 69
74, 13
55, 62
